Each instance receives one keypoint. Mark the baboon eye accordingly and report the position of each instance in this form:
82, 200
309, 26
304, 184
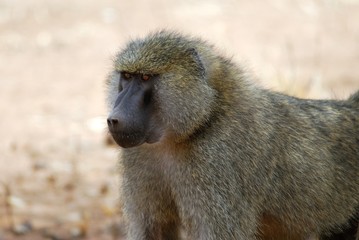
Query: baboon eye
126, 75
146, 77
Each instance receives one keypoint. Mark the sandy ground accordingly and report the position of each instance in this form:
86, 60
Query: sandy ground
58, 177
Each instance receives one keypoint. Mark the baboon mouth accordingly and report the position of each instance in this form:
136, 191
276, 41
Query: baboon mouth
127, 140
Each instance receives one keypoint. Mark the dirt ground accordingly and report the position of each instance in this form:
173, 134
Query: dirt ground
58, 177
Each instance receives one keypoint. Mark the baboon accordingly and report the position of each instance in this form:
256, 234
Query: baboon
209, 155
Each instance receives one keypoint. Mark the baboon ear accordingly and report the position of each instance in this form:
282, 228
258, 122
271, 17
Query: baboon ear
197, 59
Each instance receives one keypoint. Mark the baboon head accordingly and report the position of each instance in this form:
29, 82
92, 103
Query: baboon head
158, 88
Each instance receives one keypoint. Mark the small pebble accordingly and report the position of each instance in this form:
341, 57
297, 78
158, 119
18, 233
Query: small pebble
22, 228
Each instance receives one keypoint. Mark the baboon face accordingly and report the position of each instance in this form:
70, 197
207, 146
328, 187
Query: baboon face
131, 119
158, 88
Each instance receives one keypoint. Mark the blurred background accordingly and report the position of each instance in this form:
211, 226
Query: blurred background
58, 172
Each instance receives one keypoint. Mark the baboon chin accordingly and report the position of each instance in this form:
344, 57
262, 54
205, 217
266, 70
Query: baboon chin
210, 154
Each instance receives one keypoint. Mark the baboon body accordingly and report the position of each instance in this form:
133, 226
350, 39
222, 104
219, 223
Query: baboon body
228, 154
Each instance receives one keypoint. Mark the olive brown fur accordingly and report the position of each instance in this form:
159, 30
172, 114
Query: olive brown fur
207, 151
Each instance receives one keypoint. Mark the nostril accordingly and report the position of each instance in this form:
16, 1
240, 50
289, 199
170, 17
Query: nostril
112, 121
